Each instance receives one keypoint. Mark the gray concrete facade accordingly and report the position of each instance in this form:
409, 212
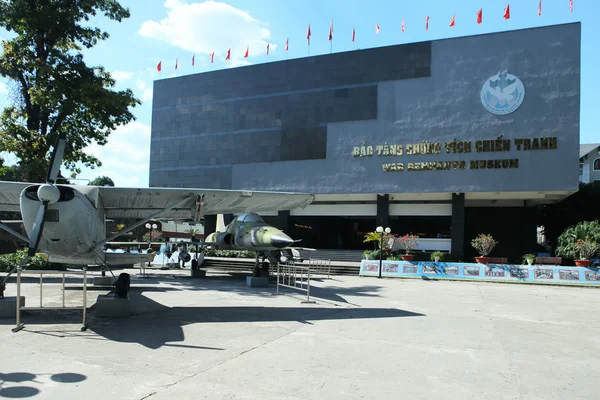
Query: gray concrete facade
294, 125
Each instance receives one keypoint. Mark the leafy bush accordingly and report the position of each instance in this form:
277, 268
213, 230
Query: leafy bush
586, 248
437, 254
157, 236
484, 244
210, 252
9, 261
409, 242
567, 241
375, 238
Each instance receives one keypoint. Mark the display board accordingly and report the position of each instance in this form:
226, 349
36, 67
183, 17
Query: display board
534, 273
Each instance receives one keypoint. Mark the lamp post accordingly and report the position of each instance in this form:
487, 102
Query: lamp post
380, 230
152, 227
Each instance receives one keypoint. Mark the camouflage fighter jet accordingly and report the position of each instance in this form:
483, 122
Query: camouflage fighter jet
249, 231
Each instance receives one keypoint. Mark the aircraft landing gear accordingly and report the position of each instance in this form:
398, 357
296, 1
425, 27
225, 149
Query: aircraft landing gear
261, 268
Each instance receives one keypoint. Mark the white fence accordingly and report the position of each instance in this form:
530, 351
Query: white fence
294, 276
320, 267
41, 273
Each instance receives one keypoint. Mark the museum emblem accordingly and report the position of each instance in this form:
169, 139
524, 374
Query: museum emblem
502, 93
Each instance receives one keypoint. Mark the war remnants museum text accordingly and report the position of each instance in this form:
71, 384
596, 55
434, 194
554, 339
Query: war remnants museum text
454, 147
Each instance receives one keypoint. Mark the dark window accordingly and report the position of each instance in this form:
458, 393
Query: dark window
597, 164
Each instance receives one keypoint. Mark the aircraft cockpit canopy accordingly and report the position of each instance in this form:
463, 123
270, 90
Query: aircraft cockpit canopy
250, 217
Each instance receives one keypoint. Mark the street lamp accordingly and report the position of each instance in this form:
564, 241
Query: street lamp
152, 227
380, 230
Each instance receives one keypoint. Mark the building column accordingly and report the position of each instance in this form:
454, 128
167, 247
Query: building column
210, 223
283, 220
383, 210
457, 235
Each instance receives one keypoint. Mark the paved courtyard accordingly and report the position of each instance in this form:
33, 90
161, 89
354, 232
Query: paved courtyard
364, 338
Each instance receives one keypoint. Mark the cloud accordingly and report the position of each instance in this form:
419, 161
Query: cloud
125, 157
203, 28
146, 91
121, 75
3, 88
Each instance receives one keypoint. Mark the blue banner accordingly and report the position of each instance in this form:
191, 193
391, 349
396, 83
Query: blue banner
533, 273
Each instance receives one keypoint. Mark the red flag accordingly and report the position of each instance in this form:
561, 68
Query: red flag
353, 33
159, 66
175, 63
212, 57
453, 21
246, 55
507, 12
228, 55
193, 60
402, 26
267, 48
427, 23
308, 35
571, 5
377, 29
480, 15
540, 8
287, 42
331, 30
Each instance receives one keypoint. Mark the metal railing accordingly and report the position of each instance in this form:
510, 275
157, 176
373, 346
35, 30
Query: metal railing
20, 308
294, 276
320, 266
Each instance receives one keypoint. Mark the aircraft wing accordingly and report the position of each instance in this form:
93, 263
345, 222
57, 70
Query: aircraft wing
143, 202
10, 193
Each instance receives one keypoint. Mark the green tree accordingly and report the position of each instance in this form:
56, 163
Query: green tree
102, 181
56, 90
10, 173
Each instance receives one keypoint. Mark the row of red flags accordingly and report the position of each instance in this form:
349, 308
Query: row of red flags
377, 29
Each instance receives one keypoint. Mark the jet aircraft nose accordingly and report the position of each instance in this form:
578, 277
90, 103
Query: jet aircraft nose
281, 240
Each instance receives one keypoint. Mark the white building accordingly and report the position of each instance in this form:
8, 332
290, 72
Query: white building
589, 163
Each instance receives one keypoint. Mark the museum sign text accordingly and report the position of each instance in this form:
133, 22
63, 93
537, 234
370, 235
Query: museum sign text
455, 147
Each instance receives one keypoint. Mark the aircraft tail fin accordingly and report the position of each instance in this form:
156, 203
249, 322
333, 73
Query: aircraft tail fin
220, 223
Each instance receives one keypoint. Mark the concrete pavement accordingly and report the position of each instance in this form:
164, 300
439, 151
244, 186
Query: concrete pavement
365, 338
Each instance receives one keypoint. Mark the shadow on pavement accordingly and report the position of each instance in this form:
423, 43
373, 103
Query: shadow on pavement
10, 389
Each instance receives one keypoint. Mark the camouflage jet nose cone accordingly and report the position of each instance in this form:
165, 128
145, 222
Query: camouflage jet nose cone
281, 240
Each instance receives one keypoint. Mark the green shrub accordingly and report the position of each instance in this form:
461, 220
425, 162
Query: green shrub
210, 252
567, 241
437, 254
9, 261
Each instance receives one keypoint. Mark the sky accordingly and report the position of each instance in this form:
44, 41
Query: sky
166, 31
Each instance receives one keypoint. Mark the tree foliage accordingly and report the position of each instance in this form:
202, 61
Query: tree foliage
567, 241
102, 181
56, 90
580, 206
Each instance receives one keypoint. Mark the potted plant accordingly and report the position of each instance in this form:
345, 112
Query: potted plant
193, 232
529, 258
579, 242
484, 244
409, 242
585, 249
437, 256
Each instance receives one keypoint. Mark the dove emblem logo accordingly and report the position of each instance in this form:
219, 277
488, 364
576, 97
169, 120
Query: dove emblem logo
502, 94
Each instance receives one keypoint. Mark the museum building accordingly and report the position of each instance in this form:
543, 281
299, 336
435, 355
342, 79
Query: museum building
445, 139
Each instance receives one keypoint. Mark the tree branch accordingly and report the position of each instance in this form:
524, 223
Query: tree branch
59, 121
26, 96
